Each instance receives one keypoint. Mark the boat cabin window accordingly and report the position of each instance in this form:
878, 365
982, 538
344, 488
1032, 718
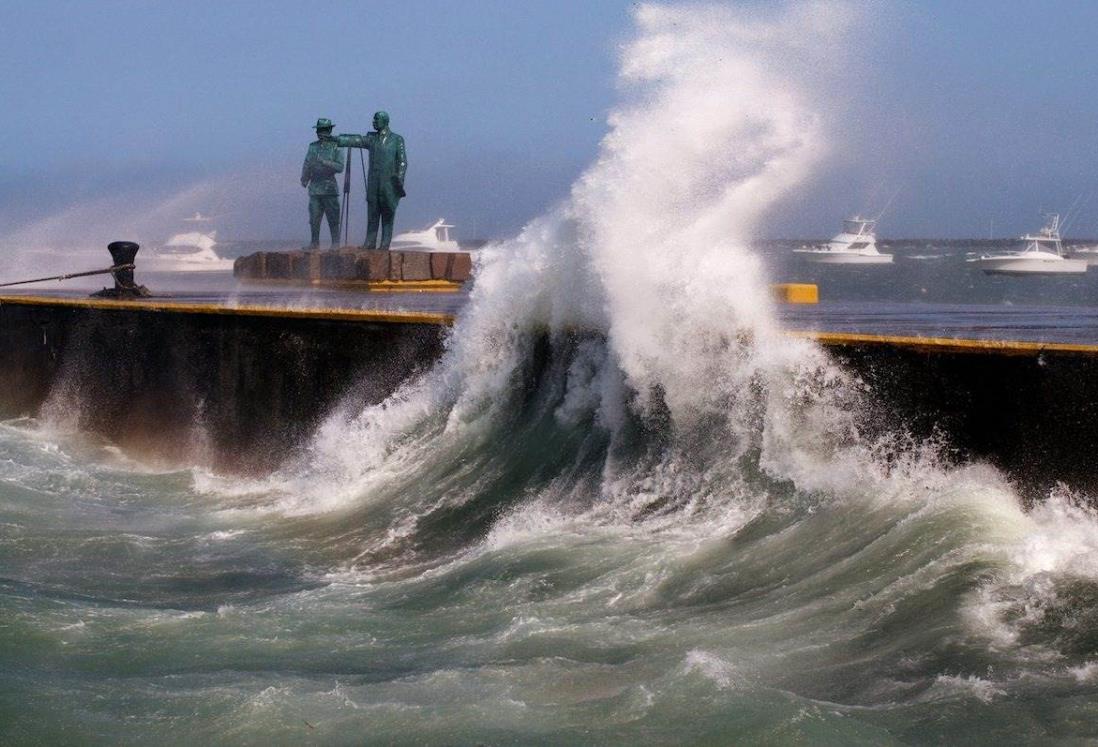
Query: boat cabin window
442, 233
859, 244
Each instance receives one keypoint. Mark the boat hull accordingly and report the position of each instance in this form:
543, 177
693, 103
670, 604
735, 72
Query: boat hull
838, 258
1022, 266
167, 264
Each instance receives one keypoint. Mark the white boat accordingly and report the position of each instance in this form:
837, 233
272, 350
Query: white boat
1088, 254
435, 238
856, 245
187, 252
1041, 254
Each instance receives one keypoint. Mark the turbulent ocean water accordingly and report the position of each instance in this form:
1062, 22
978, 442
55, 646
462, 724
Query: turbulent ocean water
668, 528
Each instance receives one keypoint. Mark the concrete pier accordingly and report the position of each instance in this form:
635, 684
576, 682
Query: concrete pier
236, 388
239, 387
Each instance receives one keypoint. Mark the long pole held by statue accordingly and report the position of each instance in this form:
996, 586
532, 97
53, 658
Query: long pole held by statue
365, 186
346, 214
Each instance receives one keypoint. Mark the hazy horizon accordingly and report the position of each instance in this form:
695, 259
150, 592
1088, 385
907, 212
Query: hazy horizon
125, 111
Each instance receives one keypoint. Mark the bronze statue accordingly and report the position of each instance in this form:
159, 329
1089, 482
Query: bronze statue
322, 162
385, 181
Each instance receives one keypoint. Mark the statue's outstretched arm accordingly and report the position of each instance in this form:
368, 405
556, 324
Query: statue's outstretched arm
354, 141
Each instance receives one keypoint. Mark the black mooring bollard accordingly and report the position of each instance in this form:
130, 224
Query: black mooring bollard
123, 253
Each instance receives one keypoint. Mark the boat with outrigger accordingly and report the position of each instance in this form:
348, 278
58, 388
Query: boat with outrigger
1042, 253
856, 245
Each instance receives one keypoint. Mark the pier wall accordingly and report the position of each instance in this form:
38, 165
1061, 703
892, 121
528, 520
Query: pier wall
1029, 409
235, 389
239, 389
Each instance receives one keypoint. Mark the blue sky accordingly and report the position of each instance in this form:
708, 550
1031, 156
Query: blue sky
976, 111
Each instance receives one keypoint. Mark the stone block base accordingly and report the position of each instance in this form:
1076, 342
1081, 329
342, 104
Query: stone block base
353, 266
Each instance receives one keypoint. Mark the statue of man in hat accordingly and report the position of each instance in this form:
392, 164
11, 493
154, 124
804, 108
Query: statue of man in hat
385, 181
322, 162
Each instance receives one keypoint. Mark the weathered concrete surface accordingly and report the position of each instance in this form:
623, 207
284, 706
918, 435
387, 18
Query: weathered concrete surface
237, 391
1029, 409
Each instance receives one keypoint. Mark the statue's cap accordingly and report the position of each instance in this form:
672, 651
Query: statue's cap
324, 124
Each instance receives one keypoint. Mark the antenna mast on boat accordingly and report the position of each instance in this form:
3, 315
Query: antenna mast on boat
887, 205
1073, 213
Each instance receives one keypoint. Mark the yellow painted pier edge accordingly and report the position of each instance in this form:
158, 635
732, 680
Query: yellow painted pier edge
946, 344
183, 307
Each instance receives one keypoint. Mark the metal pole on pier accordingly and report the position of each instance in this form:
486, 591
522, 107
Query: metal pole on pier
346, 198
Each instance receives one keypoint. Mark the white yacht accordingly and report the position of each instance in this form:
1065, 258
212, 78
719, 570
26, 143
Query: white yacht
188, 252
856, 245
434, 238
1041, 254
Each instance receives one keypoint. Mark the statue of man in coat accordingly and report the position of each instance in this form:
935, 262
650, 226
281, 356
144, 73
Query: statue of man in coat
322, 162
385, 180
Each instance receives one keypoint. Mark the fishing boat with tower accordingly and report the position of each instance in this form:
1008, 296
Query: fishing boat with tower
855, 245
1042, 253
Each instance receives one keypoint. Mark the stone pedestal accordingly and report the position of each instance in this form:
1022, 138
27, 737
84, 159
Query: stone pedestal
361, 267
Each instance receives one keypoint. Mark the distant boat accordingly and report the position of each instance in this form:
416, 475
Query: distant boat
189, 252
1041, 254
856, 245
434, 238
198, 218
1088, 254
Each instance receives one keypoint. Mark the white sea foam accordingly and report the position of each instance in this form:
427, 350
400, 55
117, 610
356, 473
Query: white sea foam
981, 689
1085, 673
1062, 539
712, 667
1053, 543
